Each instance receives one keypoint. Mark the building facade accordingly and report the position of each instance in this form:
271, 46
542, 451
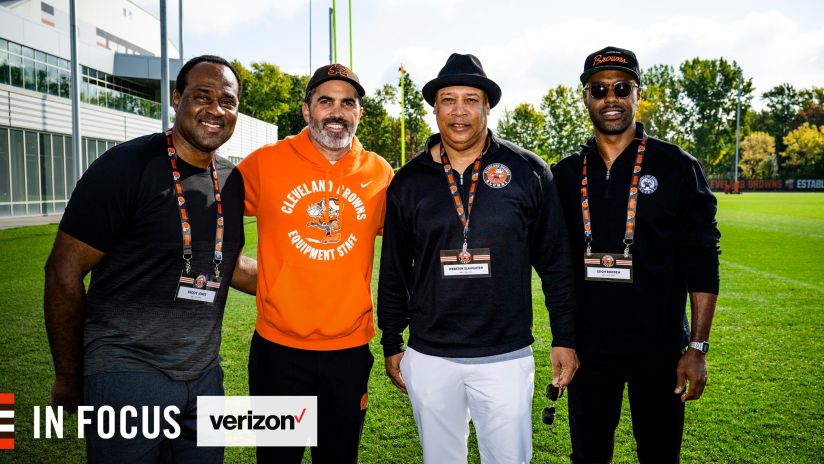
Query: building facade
118, 50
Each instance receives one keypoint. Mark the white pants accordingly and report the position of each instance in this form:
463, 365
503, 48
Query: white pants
497, 397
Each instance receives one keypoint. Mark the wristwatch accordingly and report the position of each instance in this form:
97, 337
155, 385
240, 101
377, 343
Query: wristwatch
703, 347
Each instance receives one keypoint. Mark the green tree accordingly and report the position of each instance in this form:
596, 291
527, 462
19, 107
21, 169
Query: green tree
566, 122
758, 158
378, 131
417, 129
812, 107
524, 126
273, 96
708, 98
804, 155
659, 109
783, 104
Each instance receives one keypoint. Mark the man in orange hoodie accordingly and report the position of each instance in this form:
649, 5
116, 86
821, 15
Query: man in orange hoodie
319, 199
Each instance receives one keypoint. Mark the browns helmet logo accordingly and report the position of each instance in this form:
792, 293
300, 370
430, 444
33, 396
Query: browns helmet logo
497, 175
338, 70
325, 216
608, 261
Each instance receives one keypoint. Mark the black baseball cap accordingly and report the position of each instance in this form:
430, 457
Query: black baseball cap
335, 71
615, 58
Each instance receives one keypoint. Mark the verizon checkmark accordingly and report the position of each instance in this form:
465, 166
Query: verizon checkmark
299, 418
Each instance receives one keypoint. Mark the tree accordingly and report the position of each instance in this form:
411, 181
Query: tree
378, 131
273, 96
417, 130
566, 122
524, 126
758, 158
783, 104
659, 109
709, 94
812, 107
804, 155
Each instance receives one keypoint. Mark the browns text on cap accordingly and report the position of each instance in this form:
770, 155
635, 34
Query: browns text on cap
614, 58
335, 71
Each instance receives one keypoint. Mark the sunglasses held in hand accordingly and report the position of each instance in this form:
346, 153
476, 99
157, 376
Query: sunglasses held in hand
548, 414
598, 90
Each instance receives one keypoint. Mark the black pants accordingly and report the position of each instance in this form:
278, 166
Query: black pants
595, 397
338, 378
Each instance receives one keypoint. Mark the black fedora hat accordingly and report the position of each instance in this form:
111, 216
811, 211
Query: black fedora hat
462, 70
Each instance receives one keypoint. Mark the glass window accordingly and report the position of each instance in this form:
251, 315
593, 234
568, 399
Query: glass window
46, 178
15, 48
101, 148
64, 64
65, 82
5, 172
4, 45
16, 70
51, 59
32, 168
4, 67
91, 153
27, 52
41, 77
59, 168
52, 77
18, 167
39, 56
29, 74
67, 142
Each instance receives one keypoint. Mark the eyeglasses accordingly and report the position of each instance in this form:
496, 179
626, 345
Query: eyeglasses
553, 393
598, 90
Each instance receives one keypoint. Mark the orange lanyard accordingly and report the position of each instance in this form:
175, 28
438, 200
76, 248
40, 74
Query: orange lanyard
185, 227
632, 204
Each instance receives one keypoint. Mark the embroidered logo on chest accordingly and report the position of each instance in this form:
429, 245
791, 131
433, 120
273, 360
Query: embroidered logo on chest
497, 175
648, 184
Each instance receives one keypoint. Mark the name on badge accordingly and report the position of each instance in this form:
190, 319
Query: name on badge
200, 288
608, 267
472, 263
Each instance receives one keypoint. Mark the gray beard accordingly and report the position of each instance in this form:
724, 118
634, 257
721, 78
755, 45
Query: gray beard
333, 142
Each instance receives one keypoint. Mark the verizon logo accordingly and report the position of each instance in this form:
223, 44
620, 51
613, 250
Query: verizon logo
257, 421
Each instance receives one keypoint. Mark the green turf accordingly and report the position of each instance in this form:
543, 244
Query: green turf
764, 402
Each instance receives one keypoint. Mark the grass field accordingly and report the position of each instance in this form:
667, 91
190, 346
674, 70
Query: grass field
764, 402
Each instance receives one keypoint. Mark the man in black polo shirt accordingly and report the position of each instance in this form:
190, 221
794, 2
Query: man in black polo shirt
158, 221
641, 221
466, 221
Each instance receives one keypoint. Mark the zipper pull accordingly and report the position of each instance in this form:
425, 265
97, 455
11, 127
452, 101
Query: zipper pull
607, 174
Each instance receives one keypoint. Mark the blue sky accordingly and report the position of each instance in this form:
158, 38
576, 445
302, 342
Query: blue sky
525, 46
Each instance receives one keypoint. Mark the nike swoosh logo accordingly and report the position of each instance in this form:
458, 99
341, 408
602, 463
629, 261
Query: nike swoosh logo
365, 184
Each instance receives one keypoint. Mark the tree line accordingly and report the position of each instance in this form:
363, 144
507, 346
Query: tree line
693, 105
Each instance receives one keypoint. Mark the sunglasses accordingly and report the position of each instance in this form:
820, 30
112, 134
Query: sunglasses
598, 90
548, 414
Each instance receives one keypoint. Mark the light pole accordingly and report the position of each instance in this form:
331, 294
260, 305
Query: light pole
403, 119
737, 132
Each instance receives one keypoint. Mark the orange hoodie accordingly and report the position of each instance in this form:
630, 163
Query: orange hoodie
317, 224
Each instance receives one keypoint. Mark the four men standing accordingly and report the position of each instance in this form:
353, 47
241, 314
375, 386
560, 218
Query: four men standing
627, 234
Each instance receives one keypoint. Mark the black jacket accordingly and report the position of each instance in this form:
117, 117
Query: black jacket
521, 224
675, 250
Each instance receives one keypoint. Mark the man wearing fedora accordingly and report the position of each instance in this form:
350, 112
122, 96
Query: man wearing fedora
641, 222
466, 221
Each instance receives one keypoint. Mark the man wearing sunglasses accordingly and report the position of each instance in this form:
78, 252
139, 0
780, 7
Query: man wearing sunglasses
641, 220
